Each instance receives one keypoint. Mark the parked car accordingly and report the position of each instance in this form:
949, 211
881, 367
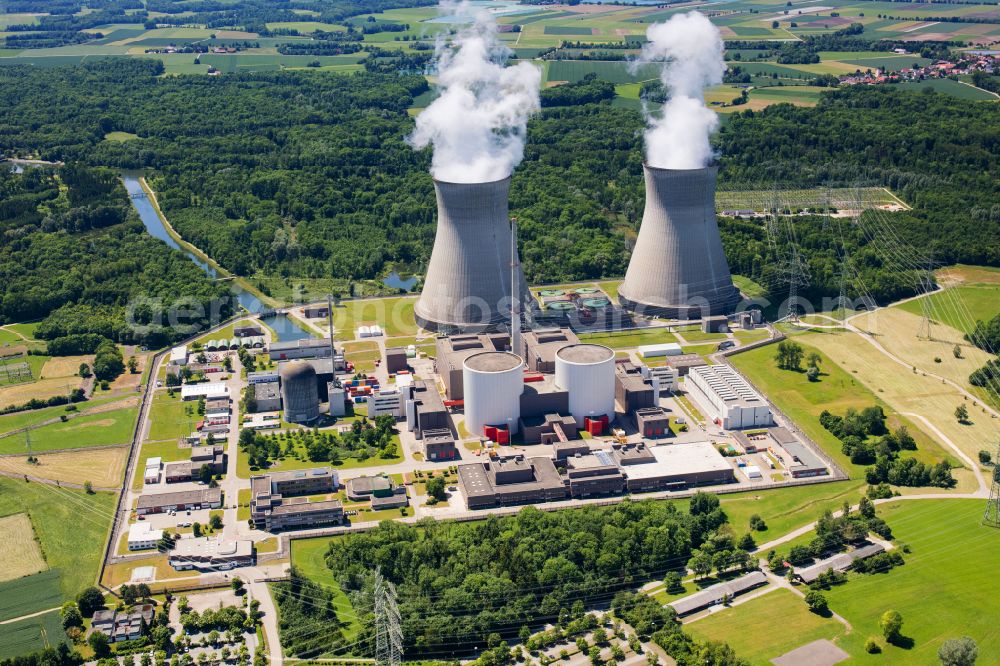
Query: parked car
728, 344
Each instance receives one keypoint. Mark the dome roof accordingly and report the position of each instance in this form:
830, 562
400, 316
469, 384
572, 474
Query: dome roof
296, 371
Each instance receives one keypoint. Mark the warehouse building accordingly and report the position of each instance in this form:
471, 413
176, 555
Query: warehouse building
839, 562
714, 594
539, 347
797, 458
507, 481
684, 363
142, 536
202, 498
186, 470
206, 391
663, 349
672, 467
734, 403
179, 356
305, 348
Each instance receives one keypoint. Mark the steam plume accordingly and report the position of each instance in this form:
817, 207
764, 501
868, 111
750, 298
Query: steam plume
691, 50
478, 121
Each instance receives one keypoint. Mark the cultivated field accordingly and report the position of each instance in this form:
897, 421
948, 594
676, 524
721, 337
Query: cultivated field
30, 594
71, 527
102, 467
33, 634
96, 429
19, 553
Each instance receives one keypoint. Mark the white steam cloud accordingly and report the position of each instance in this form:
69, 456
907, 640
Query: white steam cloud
691, 50
477, 124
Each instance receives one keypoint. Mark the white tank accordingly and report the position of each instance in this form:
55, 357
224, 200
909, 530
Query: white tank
493, 383
587, 372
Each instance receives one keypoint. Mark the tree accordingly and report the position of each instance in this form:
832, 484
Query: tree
891, 623
88, 487
436, 488
673, 583
595, 656
812, 374
90, 600
600, 636
238, 587
196, 529
215, 521
99, 643
757, 523
958, 652
84, 370
962, 414
957, 351
985, 457
816, 602
746, 543
700, 564
871, 645
813, 360
133, 365
71, 616
128, 593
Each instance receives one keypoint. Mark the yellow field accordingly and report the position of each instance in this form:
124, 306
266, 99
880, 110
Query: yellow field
42, 390
968, 274
19, 551
914, 394
102, 467
897, 330
128, 381
64, 366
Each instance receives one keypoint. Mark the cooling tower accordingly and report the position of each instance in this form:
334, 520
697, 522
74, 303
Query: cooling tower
678, 269
467, 287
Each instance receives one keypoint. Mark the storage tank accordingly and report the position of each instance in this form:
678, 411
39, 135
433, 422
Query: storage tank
587, 373
678, 268
493, 382
299, 392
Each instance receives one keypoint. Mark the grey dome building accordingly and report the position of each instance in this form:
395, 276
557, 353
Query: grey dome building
299, 392
468, 283
678, 268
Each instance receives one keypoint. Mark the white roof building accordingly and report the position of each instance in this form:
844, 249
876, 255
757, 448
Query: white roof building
665, 349
142, 536
178, 355
734, 402
207, 391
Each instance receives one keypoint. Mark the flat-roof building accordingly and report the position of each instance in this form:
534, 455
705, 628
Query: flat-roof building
539, 347
142, 536
379, 490
632, 390
452, 352
267, 396
734, 402
206, 390
594, 474
551, 428
273, 509
663, 349
211, 554
673, 466
179, 355
652, 422
425, 410
507, 481
439, 444
395, 359
386, 402
714, 594
201, 498
305, 348
798, 458
684, 362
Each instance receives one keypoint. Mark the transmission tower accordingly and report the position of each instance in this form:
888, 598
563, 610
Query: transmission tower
992, 515
388, 631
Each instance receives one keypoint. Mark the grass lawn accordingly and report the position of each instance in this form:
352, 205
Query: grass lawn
71, 527
362, 354
113, 427
946, 588
394, 315
19, 420
749, 288
171, 418
630, 339
803, 401
695, 334
9, 365
291, 463
9, 338
766, 627
959, 307
308, 556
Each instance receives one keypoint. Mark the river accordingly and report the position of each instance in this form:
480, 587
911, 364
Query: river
284, 327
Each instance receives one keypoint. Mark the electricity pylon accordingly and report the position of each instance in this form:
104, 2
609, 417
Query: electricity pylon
388, 630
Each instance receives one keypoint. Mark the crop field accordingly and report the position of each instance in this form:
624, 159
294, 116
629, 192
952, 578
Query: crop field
33, 634
71, 527
111, 427
42, 389
30, 593
615, 72
949, 87
19, 553
837, 390
104, 467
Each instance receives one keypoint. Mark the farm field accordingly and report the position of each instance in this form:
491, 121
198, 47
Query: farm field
17, 420
112, 427
949, 87
31, 635
71, 527
925, 399
30, 594
959, 307
19, 554
837, 390
780, 615
102, 467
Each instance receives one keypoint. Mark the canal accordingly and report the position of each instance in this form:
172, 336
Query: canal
285, 328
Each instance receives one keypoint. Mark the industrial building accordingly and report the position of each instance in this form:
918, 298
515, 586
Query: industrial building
305, 348
672, 467
553, 428
379, 490
734, 403
493, 382
211, 554
714, 594
179, 356
299, 392
587, 372
539, 347
186, 470
439, 444
517, 480
678, 268
206, 391
142, 536
425, 409
267, 396
395, 359
274, 507
633, 391
683, 364
661, 349
468, 282
797, 458
452, 351
717, 324
594, 474
652, 422
202, 498
386, 402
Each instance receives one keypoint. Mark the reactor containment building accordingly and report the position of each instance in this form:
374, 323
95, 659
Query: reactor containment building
468, 283
678, 269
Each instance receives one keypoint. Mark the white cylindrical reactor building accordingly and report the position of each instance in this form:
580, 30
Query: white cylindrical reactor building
493, 383
587, 373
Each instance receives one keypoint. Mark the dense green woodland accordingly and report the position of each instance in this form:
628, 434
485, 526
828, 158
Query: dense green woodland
72, 251
308, 174
457, 583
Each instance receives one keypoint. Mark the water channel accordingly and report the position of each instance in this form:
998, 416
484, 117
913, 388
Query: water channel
285, 328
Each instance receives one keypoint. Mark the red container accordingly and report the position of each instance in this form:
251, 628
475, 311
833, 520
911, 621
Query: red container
503, 436
490, 432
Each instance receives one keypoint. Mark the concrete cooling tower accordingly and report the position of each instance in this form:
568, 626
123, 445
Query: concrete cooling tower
678, 269
467, 287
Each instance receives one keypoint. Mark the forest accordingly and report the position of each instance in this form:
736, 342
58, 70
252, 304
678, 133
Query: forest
74, 254
458, 583
306, 174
